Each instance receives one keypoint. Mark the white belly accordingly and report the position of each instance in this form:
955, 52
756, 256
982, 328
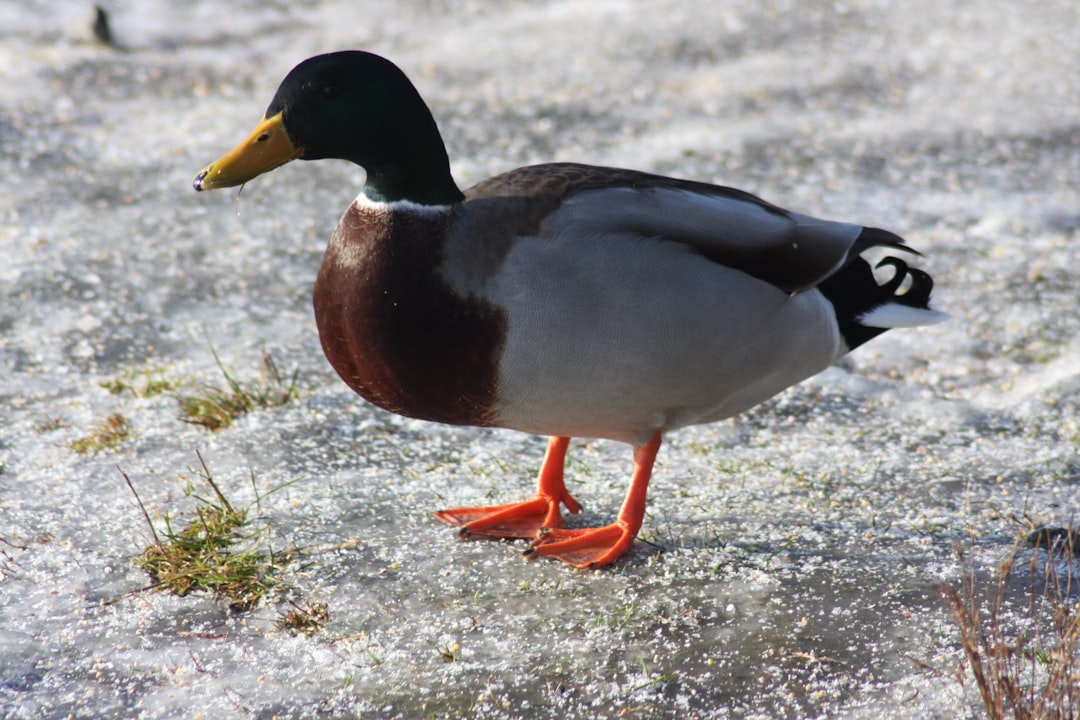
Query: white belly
625, 337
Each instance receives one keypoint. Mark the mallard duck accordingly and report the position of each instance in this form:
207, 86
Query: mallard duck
563, 300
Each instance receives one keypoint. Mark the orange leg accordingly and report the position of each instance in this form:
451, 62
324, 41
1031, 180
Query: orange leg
522, 519
597, 547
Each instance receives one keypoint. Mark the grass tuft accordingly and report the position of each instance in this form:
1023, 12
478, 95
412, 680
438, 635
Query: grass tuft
49, 424
216, 408
449, 652
141, 383
106, 435
307, 619
7, 562
216, 553
1023, 653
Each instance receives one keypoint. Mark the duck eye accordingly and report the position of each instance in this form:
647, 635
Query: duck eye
331, 91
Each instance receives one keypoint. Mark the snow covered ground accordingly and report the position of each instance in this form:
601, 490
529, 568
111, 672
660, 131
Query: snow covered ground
792, 554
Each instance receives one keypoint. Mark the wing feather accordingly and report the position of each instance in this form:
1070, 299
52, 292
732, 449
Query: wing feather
790, 250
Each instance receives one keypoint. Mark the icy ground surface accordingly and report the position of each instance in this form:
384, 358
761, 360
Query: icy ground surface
790, 557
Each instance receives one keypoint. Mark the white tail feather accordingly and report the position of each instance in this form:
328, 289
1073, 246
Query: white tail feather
895, 315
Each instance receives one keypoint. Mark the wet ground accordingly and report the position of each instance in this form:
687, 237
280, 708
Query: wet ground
790, 559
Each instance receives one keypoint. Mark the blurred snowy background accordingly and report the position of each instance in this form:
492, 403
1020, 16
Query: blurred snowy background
792, 554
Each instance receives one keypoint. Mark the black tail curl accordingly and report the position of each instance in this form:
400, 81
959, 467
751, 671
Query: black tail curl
922, 285
854, 292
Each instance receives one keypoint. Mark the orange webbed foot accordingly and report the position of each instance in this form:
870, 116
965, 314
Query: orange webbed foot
597, 547
585, 548
540, 517
512, 520
523, 519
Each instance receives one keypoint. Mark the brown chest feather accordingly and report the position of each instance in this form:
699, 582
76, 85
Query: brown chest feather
395, 331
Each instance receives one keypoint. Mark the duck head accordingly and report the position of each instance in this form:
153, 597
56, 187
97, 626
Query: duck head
353, 106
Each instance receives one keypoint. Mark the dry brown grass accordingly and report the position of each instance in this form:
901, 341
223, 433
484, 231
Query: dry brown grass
1020, 630
105, 435
306, 619
216, 408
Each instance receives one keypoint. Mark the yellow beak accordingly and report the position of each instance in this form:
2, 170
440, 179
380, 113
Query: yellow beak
266, 148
